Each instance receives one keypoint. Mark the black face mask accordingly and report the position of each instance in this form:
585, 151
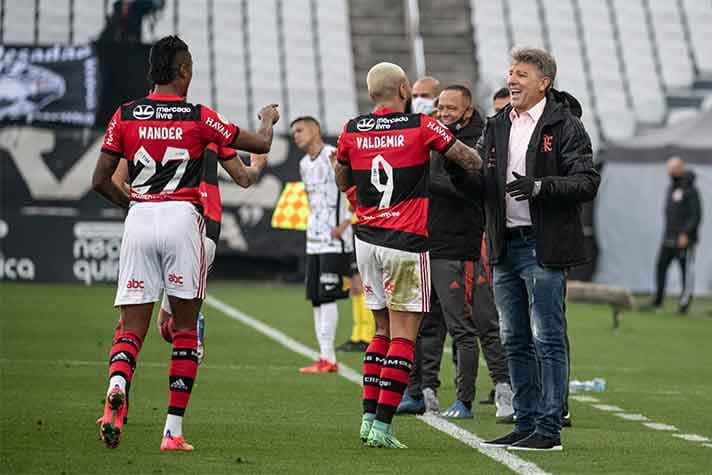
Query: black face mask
458, 125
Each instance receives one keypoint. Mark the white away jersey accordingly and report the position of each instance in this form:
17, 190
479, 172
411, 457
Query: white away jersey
327, 205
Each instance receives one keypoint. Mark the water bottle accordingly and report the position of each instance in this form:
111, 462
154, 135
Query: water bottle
596, 385
201, 337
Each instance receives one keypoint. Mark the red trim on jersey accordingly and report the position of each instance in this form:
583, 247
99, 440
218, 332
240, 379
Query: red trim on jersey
165, 97
410, 216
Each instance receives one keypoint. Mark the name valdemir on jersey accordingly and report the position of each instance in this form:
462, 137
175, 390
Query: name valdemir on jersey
386, 141
160, 133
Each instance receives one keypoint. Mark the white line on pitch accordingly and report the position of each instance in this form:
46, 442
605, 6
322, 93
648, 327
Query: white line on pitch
607, 408
692, 437
631, 417
502, 456
660, 426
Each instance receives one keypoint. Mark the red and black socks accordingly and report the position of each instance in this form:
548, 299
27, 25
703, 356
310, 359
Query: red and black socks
394, 378
122, 359
372, 366
181, 375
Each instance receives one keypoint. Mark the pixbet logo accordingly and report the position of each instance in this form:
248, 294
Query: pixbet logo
175, 279
134, 284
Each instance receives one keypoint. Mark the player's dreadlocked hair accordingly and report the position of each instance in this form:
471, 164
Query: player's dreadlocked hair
162, 68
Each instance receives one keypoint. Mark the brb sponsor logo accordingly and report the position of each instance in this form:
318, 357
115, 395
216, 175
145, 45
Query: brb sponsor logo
175, 279
134, 284
96, 251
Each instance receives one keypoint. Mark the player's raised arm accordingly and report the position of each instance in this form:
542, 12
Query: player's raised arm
260, 141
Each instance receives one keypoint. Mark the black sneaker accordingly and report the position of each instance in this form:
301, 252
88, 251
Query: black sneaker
566, 420
507, 440
490, 399
683, 309
349, 347
538, 442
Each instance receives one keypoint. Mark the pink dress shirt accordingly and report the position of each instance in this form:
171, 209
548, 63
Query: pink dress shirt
523, 125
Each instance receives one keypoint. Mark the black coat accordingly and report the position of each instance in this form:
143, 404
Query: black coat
455, 220
560, 155
683, 211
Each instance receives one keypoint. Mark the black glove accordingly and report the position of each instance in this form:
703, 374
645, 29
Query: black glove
523, 188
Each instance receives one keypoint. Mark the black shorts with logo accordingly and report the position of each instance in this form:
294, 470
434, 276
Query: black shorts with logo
325, 275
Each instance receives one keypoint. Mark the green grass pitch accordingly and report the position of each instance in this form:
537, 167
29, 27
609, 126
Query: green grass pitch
252, 412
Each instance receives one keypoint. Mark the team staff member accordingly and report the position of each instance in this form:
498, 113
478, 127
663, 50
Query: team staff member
538, 171
163, 242
386, 155
683, 213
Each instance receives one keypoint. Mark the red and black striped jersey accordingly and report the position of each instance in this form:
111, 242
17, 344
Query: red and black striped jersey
389, 154
163, 139
210, 189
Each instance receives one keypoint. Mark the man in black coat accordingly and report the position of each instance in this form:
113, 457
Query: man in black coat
683, 213
538, 171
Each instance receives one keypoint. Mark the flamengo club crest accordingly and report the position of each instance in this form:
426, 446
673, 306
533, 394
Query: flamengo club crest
546, 142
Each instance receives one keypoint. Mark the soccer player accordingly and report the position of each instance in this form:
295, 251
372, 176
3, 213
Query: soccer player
386, 155
163, 138
244, 176
329, 239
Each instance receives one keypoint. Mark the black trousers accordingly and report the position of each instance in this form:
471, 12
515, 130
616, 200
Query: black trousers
449, 311
685, 258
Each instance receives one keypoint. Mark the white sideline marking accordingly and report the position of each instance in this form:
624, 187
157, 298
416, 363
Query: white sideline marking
631, 417
502, 456
708, 445
660, 426
692, 437
584, 398
608, 408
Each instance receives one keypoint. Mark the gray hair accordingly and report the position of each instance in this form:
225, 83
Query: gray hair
545, 62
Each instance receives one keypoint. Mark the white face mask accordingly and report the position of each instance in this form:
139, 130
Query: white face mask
423, 105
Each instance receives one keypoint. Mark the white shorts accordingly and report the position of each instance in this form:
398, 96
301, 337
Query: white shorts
210, 247
162, 248
392, 278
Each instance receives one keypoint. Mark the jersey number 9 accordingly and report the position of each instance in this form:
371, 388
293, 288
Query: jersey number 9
387, 187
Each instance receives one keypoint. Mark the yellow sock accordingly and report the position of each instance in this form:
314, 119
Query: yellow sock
356, 313
367, 323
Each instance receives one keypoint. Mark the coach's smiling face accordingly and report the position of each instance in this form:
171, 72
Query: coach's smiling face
527, 85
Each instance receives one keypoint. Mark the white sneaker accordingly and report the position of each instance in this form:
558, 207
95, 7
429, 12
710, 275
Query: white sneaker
503, 400
431, 400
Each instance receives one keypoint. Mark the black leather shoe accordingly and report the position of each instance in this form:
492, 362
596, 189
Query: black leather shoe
538, 442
